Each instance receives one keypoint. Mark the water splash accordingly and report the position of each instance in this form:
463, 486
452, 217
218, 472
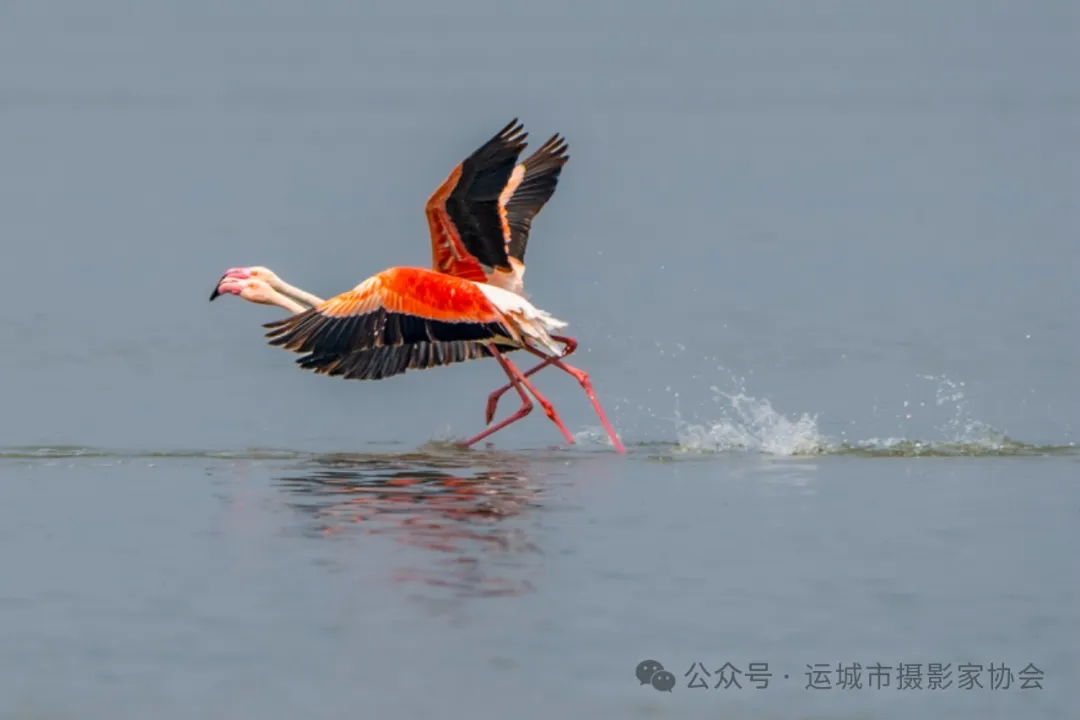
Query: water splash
962, 428
960, 433
751, 424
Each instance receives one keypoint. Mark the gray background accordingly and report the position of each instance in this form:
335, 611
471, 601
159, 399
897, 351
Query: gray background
785, 227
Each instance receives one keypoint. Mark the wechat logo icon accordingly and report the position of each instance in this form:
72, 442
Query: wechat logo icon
650, 672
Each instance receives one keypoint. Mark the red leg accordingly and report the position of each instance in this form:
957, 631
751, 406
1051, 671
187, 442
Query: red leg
570, 345
525, 409
548, 408
582, 377
519, 383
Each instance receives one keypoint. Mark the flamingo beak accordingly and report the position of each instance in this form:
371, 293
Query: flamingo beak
238, 273
214, 294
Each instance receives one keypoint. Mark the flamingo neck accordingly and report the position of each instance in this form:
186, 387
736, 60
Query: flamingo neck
288, 303
296, 293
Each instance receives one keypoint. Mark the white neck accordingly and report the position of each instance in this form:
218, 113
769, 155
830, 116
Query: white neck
297, 294
288, 303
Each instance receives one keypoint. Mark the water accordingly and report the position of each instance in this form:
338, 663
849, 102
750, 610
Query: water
821, 261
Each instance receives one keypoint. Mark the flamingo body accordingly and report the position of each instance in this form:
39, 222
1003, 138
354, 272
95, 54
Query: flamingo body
411, 318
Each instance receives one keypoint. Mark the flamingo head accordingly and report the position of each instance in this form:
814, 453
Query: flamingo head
247, 285
255, 271
262, 273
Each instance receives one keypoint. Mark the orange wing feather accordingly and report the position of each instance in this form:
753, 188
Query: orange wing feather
448, 254
399, 319
465, 216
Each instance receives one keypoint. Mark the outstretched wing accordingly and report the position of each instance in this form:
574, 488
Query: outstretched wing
531, 185
465, 217
400, 319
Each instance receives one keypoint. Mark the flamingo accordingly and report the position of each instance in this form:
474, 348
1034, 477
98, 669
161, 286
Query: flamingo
459, 247
414, 318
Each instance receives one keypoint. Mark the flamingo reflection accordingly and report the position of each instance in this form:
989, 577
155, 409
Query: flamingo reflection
468, 515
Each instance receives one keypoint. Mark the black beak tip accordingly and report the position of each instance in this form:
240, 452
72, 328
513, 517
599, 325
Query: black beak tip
216, 293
